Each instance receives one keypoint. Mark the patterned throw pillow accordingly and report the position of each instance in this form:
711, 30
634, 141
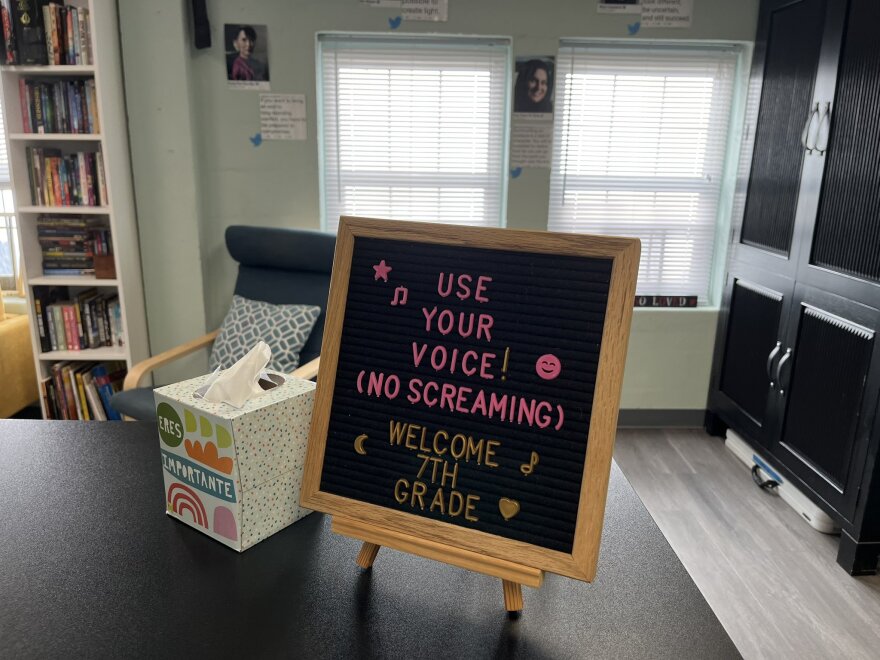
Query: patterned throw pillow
285, 328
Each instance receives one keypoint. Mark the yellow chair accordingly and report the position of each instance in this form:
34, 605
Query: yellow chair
18, 380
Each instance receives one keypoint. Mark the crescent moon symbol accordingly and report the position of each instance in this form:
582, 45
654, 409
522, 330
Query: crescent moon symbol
359, 444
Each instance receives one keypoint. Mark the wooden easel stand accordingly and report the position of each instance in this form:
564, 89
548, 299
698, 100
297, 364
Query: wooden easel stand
512, 575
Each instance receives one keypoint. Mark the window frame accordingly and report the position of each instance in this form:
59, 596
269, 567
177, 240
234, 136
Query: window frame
730, 169
417, 40
9, 225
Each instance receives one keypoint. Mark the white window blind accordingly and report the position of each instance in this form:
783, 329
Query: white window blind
10, 253
639, 149
4, 155
413, 129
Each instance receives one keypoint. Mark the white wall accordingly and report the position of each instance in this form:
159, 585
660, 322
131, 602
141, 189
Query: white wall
158, 85
196, 172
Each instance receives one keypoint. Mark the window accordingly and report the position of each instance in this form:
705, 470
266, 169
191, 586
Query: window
639, 150
10, 251
413, 128
10, 260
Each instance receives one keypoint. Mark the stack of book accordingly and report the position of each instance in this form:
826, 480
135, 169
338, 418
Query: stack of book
69, 244
40, 32
69, 106
86, 320
82, 390
68, 34
59, 179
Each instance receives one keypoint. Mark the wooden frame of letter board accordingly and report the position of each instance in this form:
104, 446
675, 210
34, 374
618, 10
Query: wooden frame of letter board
509, 559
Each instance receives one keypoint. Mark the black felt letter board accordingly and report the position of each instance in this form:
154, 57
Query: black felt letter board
493, 422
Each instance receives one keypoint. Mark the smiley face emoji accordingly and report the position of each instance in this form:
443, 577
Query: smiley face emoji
548, 366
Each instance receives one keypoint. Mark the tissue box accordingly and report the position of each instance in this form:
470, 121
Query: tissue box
235, 474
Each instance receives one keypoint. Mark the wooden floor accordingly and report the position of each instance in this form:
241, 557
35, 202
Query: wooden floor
771, 579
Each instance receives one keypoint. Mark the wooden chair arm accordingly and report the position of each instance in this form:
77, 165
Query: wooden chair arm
308, 370
140, 371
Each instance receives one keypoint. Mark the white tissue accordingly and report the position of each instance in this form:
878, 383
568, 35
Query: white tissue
240, 383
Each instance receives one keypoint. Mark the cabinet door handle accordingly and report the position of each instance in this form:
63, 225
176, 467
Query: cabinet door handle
770, 359
805, 134
821, 143
785, 358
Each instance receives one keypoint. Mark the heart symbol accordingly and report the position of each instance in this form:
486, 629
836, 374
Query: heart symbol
394, 23
634, 27
515, 172
257, 139
509, 508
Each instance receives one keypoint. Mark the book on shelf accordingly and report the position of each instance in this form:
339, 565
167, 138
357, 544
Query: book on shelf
9, 49
40, 32
95, 406
108, 382
68, 38
66, 179
69, 244
82, 390
61, 106
43, 297
87, 320
24, 40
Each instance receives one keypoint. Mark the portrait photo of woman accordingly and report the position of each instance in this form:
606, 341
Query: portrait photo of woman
533, 91
246, 55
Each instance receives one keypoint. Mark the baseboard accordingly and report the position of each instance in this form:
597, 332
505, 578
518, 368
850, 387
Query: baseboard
661, 418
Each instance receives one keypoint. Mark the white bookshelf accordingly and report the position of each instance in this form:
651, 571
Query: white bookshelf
54, 137
55, 70
120, 212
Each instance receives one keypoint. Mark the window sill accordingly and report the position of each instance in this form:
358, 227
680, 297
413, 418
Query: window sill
673, 310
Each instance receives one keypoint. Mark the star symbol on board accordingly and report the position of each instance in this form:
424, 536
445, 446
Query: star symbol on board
382, 269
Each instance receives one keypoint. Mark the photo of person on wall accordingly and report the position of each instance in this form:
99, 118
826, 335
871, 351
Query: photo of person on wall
246, 53
533, 91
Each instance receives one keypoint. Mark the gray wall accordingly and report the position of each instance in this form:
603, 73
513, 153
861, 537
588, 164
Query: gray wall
196, 172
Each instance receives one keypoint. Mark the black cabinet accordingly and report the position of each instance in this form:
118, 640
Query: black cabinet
755, 319
797, 50
826, 386
786, 63
796, 370
842, 231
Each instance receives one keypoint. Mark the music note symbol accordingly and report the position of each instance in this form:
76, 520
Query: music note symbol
400, 296
528, 468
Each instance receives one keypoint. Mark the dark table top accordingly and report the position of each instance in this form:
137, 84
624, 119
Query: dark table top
90, 565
